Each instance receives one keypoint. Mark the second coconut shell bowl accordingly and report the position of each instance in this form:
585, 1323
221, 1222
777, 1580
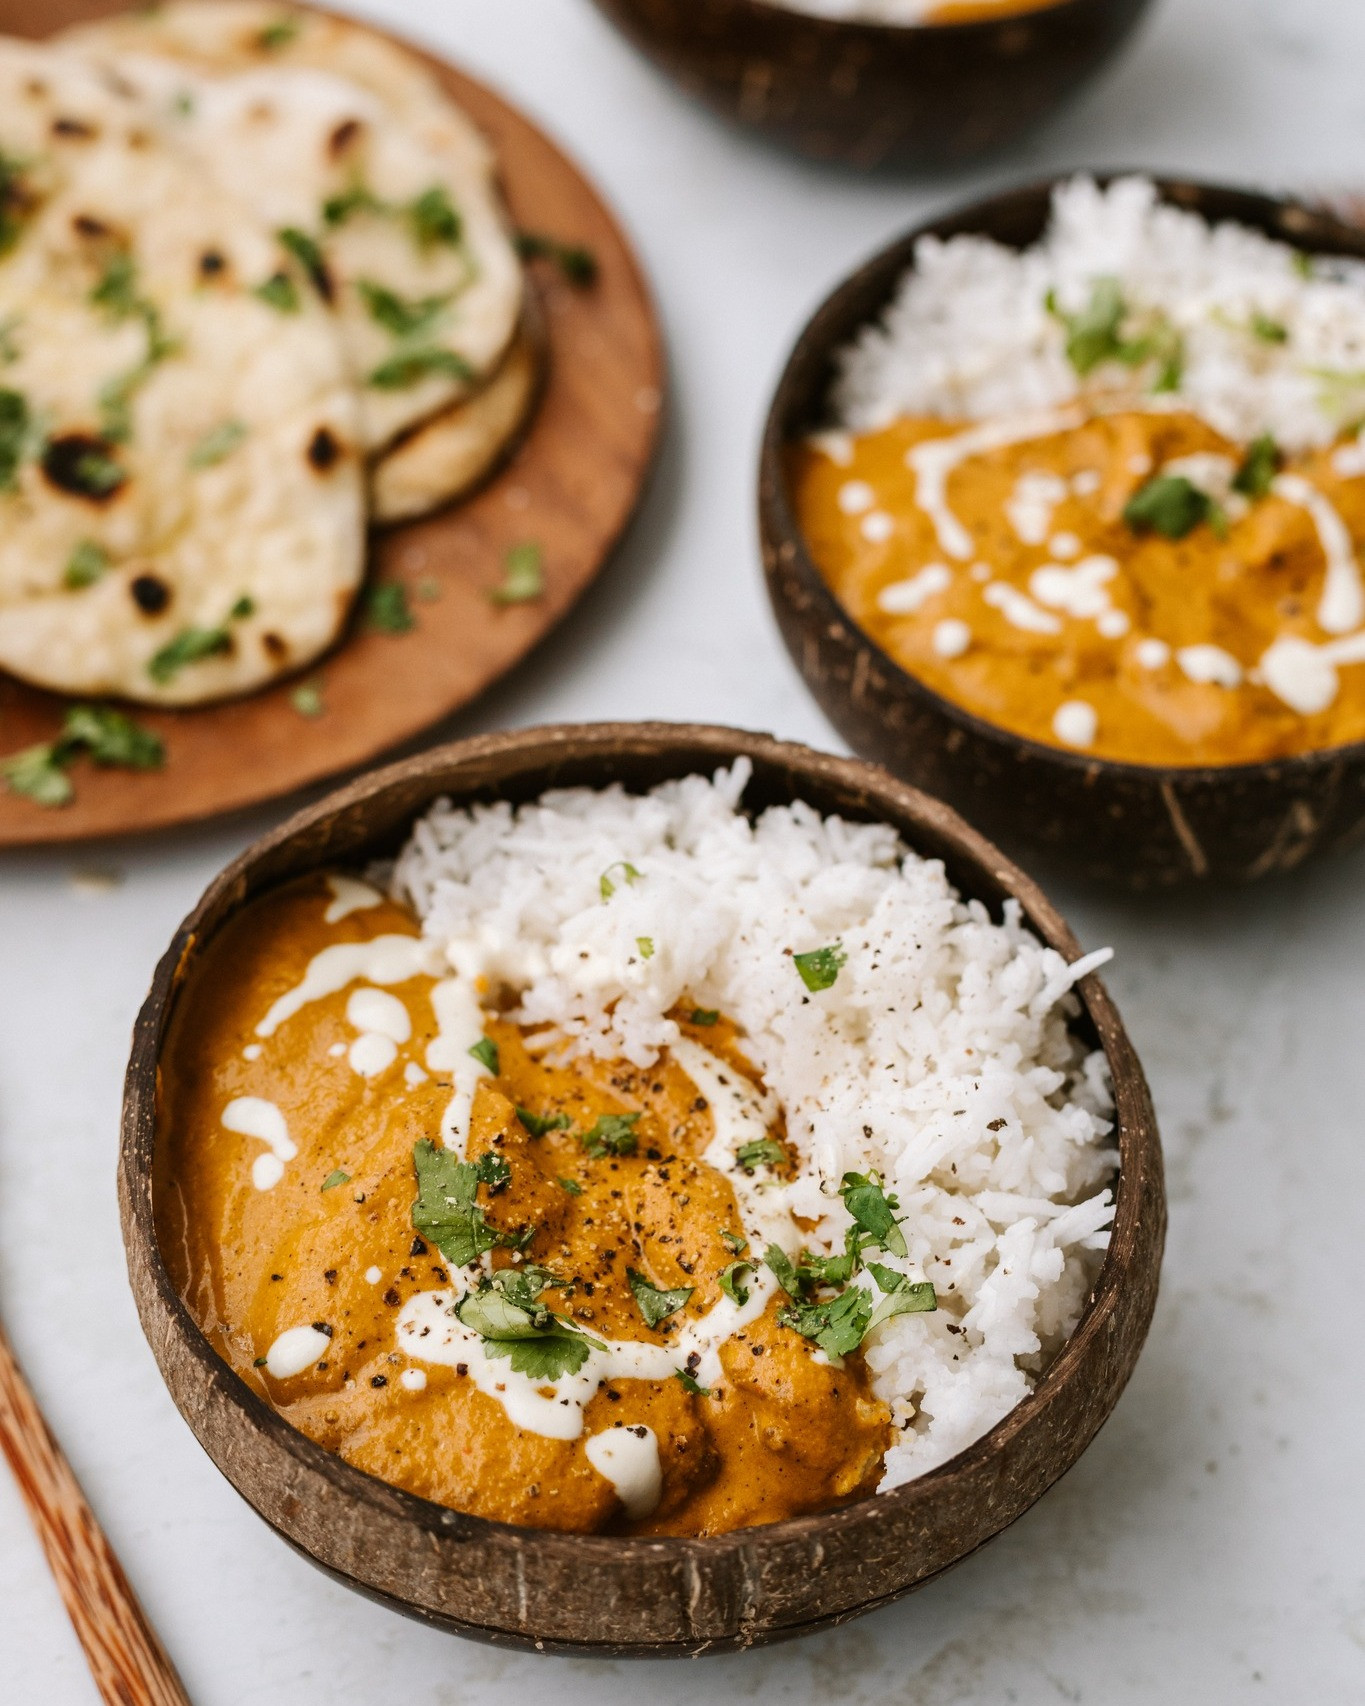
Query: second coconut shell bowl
604, 1595
1135, 825
865, 95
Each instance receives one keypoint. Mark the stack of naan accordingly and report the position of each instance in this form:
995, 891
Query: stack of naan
257, 289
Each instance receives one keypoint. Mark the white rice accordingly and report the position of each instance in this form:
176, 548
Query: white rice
875, 11
941, 1057
969, 335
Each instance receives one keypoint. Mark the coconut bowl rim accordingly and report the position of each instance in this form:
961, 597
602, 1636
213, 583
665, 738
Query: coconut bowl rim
696, 746
821, 337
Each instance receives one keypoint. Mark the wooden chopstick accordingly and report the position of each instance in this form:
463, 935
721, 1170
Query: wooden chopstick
127, 1661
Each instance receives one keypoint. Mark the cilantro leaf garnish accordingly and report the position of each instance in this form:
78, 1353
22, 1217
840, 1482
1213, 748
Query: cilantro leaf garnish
1269, 331
446, 1212
434, 218
485, 1051
733, 1241
115, 291
506, 1313
690, 1383
14, 435
277, 35
904, 1296
358, 198
606, 887
340, 1177
38, 773
654, 1304
572, 1186
1095, 335
523, 575
762, 1152
1168, 504
16, 201
704, 1015
309, 255
733, 1281
493, 1171
387, 608
217, 444
837, 1326
645, 944
575, 261
538, 1124
307, 699
278, 292
1258, 468
107, 737
873, 1211
779, 1262
410, 366
193, 645
820, 967
87, 564
404, 316
612, 1134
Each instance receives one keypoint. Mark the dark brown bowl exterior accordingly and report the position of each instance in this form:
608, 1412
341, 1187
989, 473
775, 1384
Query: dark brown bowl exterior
596, 1594
1136, 825
878, 94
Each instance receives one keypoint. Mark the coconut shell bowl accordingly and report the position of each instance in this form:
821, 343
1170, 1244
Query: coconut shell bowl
1135, 825
600, 1595
866, 95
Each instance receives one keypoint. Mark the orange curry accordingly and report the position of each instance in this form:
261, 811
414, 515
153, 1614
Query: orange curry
331, 1244
1071, 623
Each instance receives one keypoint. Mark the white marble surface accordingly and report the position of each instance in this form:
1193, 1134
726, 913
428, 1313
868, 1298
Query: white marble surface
1208, 1546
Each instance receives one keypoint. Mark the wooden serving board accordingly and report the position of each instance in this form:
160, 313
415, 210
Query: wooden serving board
571, 488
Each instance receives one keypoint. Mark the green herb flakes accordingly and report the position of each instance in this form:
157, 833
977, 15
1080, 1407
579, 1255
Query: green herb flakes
1258, 467
820, 967
733, 1242
115, 291
1095, 335
606, 887
217, 444
575, 261
538, 1124
837, 1325
762, 1152
433, 218
704, 1015
612, 1134
97, 473
690, 1383
654, 1304
506, 1312
446, 1212
387, 610
485, 1051
523, 575
277, 35
776, 1259
16, 202
873, 1211
39, 774
1168, 504
14, 435
193, 645
308, 253
402, 315
307, 699
106, 737
332, 1180
733, 1281
1269, 331
645, 944
279, 292
572, 1186
494, 1171
410, 367
88, 563
358, 198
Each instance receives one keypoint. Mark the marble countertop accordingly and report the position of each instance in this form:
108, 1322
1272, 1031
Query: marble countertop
1208, 1546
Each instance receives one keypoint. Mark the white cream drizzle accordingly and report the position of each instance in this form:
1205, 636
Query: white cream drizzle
413, 1379
1030, 507
1019, 610
951, 638
1304, 676
1342, 604
628, 1457
384, 1023
1152, 653
877, 527
459, 1026
371, 1054
935, 461
296, 1349
253, 1116
855, 496
1210, 664
1075, 723
252, 1051
382, 959
1080, 592
348, 896
903, 598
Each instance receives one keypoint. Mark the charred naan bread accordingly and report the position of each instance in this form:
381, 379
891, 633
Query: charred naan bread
181, 492
348, 147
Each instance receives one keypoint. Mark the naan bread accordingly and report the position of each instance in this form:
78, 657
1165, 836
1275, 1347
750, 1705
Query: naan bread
181, 492
328, 130
448, 456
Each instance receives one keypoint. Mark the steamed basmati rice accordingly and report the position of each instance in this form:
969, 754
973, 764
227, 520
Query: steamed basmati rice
970, 335
941, 1057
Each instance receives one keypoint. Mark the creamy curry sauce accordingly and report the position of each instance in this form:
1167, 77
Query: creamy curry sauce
993, 562
316, 1045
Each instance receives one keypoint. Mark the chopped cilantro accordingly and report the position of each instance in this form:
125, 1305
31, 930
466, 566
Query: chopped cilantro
577, 262
279, 292
733, 1242
409, 367
259, 1362
873, 1211
97, 473
446, 1212
820, 967
485, 1051
613, 1134
307, 253
762, 1152
506, 1313
107, 737
1269, 331
654, 1304
523, 575
1303, 264
404, 316
572, 1186
493, 1171
38, 773
1095, 336
837, 1325
277, 35
733, 1281
691, 1384
359, 198
115, 291
538, 1124
433, 218
1259, 467
307, 699
704, 1015
386, 608
334, 1179
646, 946
88, 563
15, 201
904, 1296
193, 645
1168, 504
780, 1263
14, 435
216, 444
606, 887
9, 346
